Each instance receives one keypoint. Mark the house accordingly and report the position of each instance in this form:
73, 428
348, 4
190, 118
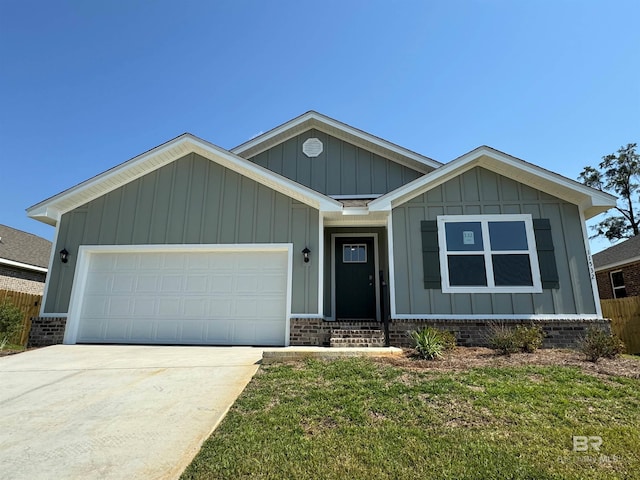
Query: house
24, 259
618, 269
312, 228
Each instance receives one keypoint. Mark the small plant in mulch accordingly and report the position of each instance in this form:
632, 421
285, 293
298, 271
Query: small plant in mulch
506, 340
431, 343
598, 343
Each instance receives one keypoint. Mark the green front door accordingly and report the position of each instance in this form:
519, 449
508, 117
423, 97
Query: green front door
355, 278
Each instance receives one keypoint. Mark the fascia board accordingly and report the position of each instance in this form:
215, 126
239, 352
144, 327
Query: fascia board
489, 158
24, 266
317, 120
54, 207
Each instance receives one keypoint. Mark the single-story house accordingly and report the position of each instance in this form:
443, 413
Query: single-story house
24, 261
618, 269
312, 228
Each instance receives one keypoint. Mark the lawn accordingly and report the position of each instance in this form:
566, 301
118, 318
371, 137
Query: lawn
366, 419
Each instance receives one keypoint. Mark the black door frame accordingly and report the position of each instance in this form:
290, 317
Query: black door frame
376, 266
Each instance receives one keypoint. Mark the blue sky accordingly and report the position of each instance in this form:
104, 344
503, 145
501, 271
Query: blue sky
85, 85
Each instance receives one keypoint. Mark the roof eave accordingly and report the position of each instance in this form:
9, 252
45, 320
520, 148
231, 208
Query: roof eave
50, 211
591, 201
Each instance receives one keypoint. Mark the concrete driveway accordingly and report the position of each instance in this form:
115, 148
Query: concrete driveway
89, 411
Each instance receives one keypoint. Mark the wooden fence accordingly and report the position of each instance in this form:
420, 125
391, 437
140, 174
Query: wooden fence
625, 320
29, 304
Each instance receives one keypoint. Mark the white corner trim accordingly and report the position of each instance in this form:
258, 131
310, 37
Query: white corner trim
24, 266
592, 272
53, 256
320, 266
392, 276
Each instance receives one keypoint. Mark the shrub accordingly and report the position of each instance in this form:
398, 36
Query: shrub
10, 321
503, 339
506, 340
529, 339
431, 343
597, 343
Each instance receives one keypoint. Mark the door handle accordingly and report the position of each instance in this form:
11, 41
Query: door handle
370, 280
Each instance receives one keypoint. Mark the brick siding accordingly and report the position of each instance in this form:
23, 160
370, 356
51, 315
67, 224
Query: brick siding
19, 280
471, 333
630, 274
46, 331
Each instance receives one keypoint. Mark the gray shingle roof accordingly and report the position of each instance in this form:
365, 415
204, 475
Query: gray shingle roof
23, 247
618, 253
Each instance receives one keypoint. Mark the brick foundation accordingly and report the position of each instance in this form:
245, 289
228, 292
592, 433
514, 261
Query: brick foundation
46, 331
469, 333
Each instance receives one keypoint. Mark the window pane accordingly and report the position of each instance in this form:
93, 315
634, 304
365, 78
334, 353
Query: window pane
362, 253
508, 236
512, 270
617, 279
467, 270
620, 292
354, 253
464, 236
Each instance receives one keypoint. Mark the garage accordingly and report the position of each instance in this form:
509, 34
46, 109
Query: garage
188, 295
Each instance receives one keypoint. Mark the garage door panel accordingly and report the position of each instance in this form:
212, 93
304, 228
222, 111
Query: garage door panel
224, 298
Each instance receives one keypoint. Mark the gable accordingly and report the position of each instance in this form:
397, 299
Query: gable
342, 168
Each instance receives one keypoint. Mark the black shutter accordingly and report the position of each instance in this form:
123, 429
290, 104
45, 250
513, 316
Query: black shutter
430, 254
546, 255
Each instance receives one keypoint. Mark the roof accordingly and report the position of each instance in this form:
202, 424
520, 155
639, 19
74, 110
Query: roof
330, 126
591, 201
23, 250
50, 210
618, 255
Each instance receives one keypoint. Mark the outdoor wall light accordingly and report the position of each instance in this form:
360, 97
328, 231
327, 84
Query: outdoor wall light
64, 255
305, 254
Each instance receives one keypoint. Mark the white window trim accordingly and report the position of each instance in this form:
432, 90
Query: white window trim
484, 222
613, 287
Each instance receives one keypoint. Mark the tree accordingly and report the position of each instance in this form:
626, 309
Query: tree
618, 173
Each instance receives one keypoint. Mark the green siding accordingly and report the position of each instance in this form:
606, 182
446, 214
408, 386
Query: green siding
192, 200
480, 191
341, 169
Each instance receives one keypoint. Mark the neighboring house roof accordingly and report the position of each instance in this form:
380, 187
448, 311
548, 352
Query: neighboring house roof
315, 120
591, 201
618, 255
23, 250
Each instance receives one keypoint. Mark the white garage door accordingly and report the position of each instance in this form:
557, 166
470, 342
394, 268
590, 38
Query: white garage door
168, 297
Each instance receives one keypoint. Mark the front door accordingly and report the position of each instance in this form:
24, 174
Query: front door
355, 278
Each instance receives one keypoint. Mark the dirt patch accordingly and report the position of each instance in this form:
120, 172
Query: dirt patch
465, 358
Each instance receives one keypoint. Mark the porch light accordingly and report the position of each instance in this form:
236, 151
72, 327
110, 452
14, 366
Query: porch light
64, 255
305, 254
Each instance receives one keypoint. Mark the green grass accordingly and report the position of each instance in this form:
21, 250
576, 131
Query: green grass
358, 419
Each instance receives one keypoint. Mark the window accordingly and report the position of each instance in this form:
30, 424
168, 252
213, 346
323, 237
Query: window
354, 253
617, 283
488, 253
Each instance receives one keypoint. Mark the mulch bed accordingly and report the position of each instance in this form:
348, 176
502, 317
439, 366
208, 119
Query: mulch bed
465, 358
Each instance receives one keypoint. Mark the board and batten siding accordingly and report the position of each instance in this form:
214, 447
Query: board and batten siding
341, 168
480, 191
190, 201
